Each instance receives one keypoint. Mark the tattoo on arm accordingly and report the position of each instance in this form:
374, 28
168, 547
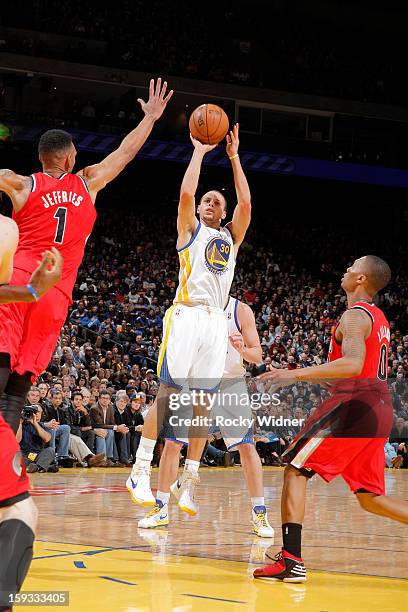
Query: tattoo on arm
355, 328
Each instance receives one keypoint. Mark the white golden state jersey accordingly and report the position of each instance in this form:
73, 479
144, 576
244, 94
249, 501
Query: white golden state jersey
207, 265
234, 364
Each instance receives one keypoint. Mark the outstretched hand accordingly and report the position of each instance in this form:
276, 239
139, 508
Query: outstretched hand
199, 146
157, 101
233, 141
281, 377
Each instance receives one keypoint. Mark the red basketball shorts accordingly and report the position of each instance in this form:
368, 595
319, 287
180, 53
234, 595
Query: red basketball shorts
14, 482
29, 331
334, 441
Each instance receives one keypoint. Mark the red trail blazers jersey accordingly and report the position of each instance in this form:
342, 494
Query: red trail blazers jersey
345, 435
377, 344
59, 212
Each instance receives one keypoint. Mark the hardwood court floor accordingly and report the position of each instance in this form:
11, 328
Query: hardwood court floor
88, 543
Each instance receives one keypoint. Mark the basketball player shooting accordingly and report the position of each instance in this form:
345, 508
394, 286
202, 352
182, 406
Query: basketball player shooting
195, 334
346, 435
55, 208
243, 344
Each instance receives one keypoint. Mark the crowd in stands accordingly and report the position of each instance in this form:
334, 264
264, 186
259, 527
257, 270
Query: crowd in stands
102, 378
272, 46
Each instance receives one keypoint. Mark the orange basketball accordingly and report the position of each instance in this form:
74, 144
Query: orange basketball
209, 124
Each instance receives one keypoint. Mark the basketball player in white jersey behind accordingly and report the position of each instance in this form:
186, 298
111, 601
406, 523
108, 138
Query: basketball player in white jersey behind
243, 344
195, 335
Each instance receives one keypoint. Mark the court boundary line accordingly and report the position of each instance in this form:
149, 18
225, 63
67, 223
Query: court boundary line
105, 549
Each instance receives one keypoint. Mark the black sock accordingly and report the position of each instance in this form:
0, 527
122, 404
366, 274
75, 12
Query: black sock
292, 538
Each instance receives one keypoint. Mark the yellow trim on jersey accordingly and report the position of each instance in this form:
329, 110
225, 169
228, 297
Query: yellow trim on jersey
185, 271
167, 321
188, 272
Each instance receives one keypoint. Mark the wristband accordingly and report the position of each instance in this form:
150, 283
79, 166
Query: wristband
234, 156
33, 292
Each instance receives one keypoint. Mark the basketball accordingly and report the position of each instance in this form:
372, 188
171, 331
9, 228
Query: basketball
209, 124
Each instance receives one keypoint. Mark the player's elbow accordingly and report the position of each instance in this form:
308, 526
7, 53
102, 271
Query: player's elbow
356, 367
258, 356
186, 195
246, 206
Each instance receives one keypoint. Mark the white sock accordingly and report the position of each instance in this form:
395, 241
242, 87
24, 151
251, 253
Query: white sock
257, 501
163, 497
144, 455
191, 466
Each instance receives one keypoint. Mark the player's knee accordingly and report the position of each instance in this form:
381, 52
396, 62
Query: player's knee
367, 501
19, 384
25, 511
245, 451
290, 473
172, 448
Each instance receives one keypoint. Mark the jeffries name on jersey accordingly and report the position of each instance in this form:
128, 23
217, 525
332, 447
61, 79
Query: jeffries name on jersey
61, 197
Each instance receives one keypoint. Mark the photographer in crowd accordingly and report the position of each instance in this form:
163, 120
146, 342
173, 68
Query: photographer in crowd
34, 440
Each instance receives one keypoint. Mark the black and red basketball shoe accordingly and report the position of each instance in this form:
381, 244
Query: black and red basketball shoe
286, 568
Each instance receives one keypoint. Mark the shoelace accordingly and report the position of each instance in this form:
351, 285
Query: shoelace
156, 508
143, 470
278, 557
190, 481
261, 518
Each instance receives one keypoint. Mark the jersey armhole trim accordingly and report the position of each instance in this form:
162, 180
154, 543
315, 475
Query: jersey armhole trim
359, 307
226, 228
33, 183
236, 316
84, 182
193, 237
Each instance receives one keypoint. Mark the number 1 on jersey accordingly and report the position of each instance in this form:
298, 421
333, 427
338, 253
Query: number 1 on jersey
61, 215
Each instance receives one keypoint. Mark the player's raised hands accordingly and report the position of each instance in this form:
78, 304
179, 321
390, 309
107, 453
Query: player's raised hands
48, 272
233, 141
157, 101
199, 146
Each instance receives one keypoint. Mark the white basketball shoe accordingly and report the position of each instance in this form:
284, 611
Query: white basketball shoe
138, 485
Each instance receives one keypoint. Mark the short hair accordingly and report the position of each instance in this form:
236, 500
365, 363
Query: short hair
104, 392
379, 272
75, 393
54, 141
54, 391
